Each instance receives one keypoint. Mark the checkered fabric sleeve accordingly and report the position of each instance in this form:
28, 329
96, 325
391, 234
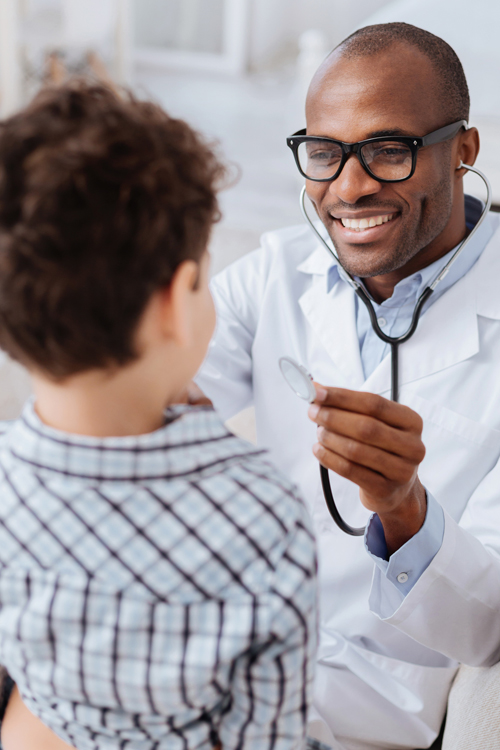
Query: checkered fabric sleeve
156, 591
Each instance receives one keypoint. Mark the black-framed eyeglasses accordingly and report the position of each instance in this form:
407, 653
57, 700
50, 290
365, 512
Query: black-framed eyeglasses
385, 158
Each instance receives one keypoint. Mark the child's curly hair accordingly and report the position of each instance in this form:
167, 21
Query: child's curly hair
101, 198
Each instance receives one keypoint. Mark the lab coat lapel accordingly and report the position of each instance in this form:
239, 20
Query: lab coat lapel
447, 334
332, 317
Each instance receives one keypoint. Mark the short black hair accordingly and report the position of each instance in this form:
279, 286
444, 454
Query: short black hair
451, 79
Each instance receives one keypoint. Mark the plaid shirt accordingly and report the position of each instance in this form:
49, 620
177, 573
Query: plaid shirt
156, 590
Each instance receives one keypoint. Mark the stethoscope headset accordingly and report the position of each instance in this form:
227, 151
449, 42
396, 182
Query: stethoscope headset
301, 382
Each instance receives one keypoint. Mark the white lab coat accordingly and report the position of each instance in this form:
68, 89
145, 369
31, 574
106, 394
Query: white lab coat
378, 685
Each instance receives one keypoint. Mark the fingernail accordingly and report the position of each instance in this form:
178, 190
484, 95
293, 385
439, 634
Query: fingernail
313, 411
321, 394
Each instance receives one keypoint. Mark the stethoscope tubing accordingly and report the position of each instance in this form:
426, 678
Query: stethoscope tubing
394, 341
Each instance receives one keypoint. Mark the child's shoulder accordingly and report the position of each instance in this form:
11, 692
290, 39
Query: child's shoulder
189, 492
238, 476
220, 451
242, 506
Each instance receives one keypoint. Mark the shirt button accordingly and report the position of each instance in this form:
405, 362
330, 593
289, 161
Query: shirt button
382, 322
402, 577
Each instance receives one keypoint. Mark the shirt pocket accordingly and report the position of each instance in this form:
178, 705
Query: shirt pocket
460, 452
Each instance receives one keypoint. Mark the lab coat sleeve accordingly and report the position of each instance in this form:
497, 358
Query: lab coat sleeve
225, 376
405, 566
454, 607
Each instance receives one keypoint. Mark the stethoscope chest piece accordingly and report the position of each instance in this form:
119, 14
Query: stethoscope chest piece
297, 377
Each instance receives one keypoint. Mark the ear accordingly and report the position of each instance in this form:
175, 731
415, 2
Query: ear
178, 320
467, 151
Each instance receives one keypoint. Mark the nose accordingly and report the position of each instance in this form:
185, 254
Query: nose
354, 182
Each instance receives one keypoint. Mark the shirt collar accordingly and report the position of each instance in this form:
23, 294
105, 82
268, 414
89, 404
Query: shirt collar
322, 263
192, 439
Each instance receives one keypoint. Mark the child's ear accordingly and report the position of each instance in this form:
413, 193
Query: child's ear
178, 315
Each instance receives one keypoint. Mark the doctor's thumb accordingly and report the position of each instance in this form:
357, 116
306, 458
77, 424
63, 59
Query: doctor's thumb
321, 393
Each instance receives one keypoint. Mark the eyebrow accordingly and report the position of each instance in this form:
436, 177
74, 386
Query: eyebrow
374, 134
393, 131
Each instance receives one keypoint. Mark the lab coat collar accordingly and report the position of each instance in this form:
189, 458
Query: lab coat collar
318, 263
447, 333
322, 263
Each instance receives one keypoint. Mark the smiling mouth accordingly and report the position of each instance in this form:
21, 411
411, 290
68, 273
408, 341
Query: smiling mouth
360, 225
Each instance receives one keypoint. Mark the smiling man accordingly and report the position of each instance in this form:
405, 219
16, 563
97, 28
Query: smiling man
386, 137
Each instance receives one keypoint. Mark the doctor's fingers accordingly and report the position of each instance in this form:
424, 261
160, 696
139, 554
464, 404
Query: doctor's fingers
372, 405
370, 431
394, 468
381, 492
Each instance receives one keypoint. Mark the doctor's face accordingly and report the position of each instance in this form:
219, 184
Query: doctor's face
390, 93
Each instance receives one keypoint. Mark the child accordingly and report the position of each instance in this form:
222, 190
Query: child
157, 575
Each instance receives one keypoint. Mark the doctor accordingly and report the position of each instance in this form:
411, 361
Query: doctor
423, 591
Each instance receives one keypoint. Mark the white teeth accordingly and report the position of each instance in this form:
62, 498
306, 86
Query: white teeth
361, 224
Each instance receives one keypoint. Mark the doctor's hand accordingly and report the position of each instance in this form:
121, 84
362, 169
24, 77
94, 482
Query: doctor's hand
377, 444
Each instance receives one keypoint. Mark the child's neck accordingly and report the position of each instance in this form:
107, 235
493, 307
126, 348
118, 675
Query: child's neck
129, 401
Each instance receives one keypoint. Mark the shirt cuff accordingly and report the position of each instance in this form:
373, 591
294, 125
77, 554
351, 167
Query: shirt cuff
406, 565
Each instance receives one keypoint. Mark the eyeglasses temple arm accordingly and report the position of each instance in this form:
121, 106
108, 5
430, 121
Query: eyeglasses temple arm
443, 133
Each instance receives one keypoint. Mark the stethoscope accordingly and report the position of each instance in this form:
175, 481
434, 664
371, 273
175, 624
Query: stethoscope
301, 381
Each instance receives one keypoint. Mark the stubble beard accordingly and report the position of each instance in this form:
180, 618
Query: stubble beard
413, 238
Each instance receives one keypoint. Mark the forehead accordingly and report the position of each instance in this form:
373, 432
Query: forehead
354, 98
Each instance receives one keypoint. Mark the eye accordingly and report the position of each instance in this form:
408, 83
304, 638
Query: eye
321, 153
319, 159
393, 152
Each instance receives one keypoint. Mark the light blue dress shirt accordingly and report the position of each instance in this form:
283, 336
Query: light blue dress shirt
394, 315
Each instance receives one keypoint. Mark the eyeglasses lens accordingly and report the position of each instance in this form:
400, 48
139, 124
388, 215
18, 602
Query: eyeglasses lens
319, 160
388, 160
